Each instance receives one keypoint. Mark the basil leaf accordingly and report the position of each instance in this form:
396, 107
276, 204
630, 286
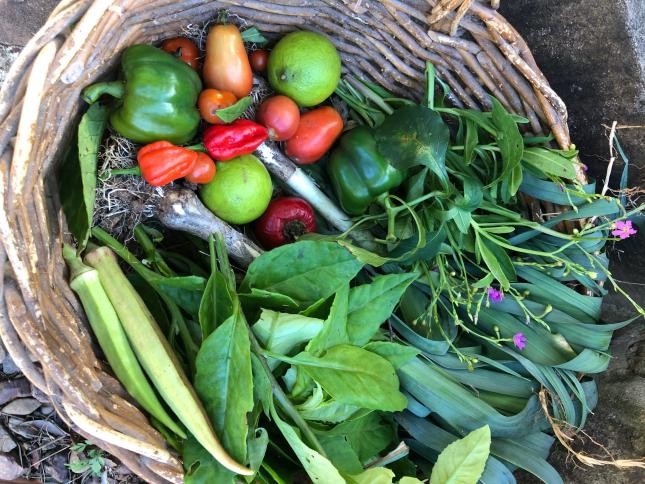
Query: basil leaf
464, 460
412, 136
355, 376
306, 271
77, 175
550, 162
234, 111
371, 304
185, 291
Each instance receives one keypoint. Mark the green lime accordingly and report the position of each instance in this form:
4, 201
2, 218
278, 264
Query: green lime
240, 191
304, 66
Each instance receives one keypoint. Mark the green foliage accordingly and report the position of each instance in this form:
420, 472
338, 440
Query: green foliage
463, 461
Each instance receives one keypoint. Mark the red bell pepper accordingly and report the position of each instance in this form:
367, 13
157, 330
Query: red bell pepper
162, 162
227, 141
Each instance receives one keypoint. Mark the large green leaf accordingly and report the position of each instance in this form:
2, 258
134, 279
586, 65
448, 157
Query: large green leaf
224, 384
185, 291
415, 135
395, 353
463, 461
371, 304
354, 376
77, 175
306, 271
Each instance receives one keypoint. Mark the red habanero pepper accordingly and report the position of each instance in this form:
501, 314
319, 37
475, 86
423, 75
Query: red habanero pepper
227, 141
162, 162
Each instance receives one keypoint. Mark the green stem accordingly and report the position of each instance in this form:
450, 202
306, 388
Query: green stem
369, 94
198, 147
92, 93
135, 170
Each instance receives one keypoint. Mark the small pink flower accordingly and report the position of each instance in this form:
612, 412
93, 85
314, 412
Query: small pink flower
585, 167
495, 295
561, 187
623, 229
519, 340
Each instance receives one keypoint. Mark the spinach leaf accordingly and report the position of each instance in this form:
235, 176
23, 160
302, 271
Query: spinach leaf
224, 384
378, 475
415, 135
334, 330
464, 460
77, 175
331, 411
306, 271
395, 353
367, 435
355, 376
371, 304
340, 453
267, 300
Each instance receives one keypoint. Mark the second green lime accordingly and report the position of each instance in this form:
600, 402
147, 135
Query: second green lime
304, 66
241, 190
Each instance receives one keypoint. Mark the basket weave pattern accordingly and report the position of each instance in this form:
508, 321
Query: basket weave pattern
475, 51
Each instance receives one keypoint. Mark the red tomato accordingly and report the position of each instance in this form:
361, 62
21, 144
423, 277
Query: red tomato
227, 64
317, 131
284, 220
210, 100
204, 169
183, 48
280, 115
259, 59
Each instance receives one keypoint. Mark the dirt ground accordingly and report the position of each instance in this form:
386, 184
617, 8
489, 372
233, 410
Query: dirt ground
593, 53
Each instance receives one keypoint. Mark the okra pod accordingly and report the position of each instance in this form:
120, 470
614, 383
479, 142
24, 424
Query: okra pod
112, 339
156, 356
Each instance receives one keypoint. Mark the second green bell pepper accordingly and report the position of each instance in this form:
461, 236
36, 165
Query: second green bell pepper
156, 98
359, 173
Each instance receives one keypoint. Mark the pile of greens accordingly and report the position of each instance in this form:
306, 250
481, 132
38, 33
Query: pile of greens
363, 363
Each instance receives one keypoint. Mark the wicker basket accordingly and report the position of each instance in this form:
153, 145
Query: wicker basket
42, 325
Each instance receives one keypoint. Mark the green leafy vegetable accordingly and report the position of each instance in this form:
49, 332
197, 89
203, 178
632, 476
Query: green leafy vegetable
463, 461
231, 113
77, 176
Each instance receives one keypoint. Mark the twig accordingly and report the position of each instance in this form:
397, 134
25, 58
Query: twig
612, 159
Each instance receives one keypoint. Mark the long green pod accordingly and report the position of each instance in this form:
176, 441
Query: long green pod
156, 356
112, 339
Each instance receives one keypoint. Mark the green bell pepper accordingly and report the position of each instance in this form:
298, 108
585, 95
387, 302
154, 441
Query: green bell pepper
156, 98
359, 173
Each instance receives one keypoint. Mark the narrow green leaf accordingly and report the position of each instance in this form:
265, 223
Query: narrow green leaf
493, 264
463, 461
550, 162
216, 305
334, 331
77, 175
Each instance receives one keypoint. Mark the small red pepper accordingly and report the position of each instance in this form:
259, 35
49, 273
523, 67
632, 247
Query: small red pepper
284, 220
162, 162
227, 141
203, 171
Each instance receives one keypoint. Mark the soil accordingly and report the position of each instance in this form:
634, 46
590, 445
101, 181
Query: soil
593, 53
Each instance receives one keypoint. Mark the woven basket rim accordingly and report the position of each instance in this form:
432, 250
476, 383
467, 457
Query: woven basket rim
475, 51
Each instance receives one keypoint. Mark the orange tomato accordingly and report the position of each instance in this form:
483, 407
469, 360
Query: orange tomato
183, 48
280, 115
317, 131
210, 100
259, 59
227, 65
204, 169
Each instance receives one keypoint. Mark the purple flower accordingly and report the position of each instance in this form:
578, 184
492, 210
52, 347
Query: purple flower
585, 167
519, 340
561, 187
495, 295
623, 229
